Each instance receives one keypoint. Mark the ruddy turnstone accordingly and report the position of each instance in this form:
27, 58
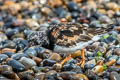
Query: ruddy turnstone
66, 38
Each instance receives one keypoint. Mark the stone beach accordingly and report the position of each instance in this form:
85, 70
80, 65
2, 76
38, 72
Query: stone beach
26, 52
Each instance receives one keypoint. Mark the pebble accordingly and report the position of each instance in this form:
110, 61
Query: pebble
113, 57
5, 68
112, 5
27, 62
104, 19
117, 51
16, 65
18, 56
52, 75
114, 76
118, 61
26, 74
3, 57
40, 76
8, 50
32, 24
55, 56
90, 64
3, 37
72, 6
31, 52
67, 75
23, 53
9, 54
97, 69
37, 60
48, 62
68, 67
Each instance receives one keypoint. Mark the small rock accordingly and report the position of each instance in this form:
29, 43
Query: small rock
31, 52
9, 54
37, 60
67, 75
27, 62
9, 74
55, 56
12, 7
27, 75
46, 10
90, 64
117, 51
72, 6
40, 76
3, 37
104, 19
114, 76
18, 56
8, 50
112, 5
52, 75
118, 61
48, 62
54, 3
80, 77
32, 24
97, 69
3, 57
68, 67
4, 68
16, 65
115, 57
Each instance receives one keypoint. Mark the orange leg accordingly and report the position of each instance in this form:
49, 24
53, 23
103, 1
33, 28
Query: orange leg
67, 58
82, 62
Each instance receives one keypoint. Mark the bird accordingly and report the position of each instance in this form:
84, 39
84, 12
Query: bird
67, 38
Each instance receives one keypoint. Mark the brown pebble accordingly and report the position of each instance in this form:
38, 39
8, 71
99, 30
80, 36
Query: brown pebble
54, 3
37, 60
111, 62
81, 77
55, 56
8, 50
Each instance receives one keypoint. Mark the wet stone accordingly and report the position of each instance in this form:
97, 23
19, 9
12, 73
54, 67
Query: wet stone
26, 75
27, 62
118, 61
4, 68
16, 65
68, 67
3, 78
113, 57
40, 76
31, 52
9, 74
55, 56
113, 68
9, 54
117, 51
52, 75
104, 19
72, 6
114, 76
3, 37
67, 75
48, 62
3, 57
18, 56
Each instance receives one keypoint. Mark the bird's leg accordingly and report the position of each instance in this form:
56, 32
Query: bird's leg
83, 58
82, 62
67, 58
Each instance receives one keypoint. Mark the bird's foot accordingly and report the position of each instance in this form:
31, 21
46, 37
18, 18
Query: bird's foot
82, 62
